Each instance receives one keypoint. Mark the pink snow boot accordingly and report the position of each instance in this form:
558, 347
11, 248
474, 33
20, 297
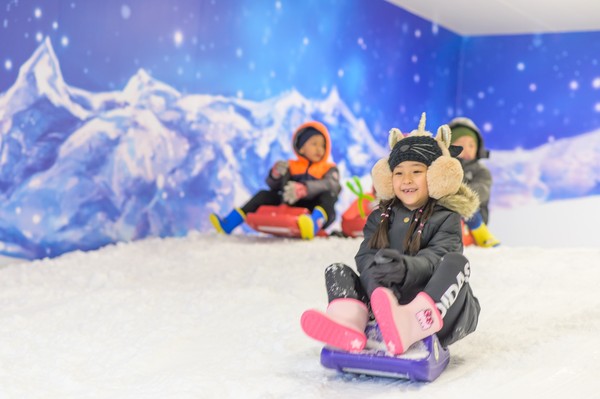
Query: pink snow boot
403, 325
342, 325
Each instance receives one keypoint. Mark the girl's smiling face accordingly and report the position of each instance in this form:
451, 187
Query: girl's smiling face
409, 180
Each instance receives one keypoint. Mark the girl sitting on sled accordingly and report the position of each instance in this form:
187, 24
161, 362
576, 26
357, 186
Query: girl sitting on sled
412, 277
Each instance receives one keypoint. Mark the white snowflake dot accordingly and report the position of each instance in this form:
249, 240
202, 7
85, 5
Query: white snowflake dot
573, 85
125, 11
178, 38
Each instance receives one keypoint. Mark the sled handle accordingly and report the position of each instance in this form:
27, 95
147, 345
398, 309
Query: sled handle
358, 191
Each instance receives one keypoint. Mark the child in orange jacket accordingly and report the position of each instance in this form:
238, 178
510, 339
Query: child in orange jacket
309, 181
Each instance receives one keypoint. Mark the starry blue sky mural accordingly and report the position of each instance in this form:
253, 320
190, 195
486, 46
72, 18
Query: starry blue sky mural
387, 64
531, 89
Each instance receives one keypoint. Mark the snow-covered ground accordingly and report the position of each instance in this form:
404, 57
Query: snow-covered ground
208, 316
555, 224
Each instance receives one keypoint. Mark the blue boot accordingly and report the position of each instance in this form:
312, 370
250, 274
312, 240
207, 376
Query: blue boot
229, 222
310, 225
482, 236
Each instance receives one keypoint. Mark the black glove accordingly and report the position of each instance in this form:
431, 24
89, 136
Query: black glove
388, 268
387, 255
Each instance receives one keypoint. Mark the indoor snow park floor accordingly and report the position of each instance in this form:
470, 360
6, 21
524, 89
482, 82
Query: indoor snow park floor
208, 316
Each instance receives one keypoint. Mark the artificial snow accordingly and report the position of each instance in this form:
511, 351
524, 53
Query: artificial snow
208, 316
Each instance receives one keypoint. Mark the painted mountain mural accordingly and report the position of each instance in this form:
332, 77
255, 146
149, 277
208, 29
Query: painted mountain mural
79, 170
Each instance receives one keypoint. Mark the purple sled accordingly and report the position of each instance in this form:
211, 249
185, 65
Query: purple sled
423, 361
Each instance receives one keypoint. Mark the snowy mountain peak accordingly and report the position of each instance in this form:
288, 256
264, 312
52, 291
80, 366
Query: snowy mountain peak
292, 95
40, 76
334, 95
142, 86
43, 67
142, 76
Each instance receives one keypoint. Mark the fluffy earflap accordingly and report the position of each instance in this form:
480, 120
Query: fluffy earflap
445, 174
444, 177
381, 173
382, 180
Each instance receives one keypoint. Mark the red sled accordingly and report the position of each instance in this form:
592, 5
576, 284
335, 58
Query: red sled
278, 220
352, 221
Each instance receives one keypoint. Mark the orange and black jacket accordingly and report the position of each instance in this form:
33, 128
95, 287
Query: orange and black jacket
318, 176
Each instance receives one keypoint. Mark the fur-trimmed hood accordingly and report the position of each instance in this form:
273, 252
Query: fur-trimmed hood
465, 202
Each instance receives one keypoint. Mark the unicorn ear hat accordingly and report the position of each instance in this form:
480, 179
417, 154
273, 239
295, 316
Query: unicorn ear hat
444, 173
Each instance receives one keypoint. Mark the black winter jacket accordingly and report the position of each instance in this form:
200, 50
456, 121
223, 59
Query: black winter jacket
441, 234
